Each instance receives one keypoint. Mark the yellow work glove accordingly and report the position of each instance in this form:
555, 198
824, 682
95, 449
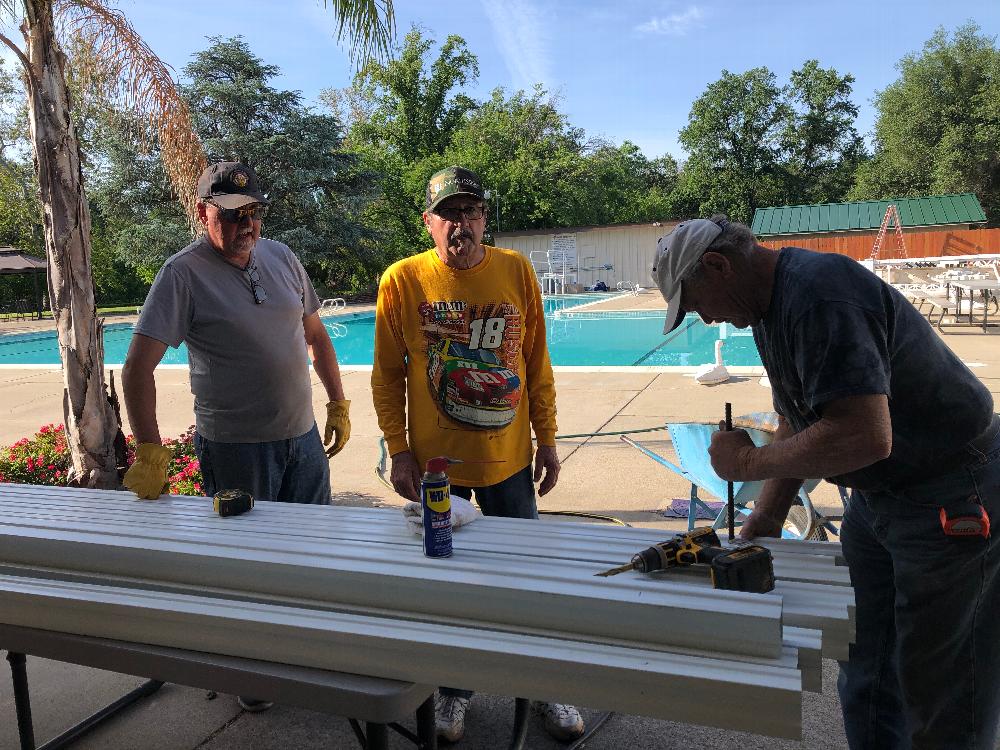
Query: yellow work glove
147, 477
337, 420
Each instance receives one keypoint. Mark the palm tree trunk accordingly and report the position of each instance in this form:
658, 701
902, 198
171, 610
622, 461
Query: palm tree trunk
90, 421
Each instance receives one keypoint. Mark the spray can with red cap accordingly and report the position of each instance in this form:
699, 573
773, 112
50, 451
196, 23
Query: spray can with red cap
435, 495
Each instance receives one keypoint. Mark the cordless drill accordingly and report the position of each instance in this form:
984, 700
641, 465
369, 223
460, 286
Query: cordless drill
747, 568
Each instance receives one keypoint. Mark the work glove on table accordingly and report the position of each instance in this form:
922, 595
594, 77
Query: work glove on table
147, 476
462, 513
337, 421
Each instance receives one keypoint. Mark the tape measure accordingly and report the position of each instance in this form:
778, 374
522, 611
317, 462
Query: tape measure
966, 519
232, 502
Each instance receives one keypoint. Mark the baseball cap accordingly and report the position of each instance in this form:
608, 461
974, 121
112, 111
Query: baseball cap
452, 181
230, 184
676, 254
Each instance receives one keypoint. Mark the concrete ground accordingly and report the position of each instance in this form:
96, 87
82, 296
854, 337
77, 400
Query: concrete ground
599, 475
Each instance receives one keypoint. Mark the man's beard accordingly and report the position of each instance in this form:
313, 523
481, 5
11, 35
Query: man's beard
241, 244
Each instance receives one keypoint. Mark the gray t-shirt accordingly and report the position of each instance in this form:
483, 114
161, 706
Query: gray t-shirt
248, 362
834, 329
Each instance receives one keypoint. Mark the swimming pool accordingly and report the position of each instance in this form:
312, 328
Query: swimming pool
579, 339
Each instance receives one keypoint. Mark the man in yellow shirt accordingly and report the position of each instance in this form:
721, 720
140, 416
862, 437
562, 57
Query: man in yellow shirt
460, 340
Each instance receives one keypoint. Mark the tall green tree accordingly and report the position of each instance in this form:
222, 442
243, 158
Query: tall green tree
402, 115
20, 212
938, 125
822, 146
734, 137
544, 172
316, 188
415, 104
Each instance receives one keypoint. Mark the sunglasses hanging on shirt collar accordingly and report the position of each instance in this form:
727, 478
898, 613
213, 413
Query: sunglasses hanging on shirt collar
259, 295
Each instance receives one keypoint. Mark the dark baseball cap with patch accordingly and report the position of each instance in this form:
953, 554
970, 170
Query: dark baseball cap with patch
453, 181
230, 184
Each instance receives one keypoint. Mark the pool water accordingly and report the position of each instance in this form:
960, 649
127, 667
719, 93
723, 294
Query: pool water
574, 339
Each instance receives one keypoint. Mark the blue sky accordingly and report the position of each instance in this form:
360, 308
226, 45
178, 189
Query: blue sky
627, 69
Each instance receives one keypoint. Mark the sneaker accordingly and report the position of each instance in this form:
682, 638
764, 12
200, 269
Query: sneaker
449, 716
562, 722
253, 705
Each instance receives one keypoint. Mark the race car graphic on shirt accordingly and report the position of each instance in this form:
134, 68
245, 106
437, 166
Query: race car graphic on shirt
472, 385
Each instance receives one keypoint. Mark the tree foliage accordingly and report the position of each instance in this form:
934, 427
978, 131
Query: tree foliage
822, 146
316, 189
938, 126
20, 212
753, 142
410, 117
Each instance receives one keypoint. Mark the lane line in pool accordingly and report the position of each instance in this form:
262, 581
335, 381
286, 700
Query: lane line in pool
666, 341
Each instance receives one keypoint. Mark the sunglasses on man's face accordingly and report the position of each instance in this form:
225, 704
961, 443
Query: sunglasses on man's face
455, 215
255, 211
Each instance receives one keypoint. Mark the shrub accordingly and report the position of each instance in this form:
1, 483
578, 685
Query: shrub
44, 459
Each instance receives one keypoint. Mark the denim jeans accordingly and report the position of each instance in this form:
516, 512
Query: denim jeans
514, 497
924, 671
296, 470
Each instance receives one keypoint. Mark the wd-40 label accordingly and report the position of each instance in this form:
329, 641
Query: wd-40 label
437, 517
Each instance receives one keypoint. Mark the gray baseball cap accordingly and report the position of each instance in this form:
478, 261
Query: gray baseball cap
676, 254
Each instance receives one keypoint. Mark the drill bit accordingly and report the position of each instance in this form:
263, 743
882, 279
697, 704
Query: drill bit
730, 505
616, 571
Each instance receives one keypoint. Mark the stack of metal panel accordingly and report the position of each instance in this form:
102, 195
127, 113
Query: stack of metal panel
517, 610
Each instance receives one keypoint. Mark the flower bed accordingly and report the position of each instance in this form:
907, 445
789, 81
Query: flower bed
44, 459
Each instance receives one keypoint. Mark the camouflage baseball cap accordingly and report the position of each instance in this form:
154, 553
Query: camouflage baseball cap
230, 184
452, 181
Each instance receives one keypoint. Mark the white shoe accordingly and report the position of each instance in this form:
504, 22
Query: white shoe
562, 722
449, 716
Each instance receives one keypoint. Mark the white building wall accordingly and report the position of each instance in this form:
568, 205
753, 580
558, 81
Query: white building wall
629, 249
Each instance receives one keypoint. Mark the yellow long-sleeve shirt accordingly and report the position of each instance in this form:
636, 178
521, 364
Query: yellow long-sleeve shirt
461, 365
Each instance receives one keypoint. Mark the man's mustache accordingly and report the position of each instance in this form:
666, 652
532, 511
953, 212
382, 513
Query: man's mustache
461, 234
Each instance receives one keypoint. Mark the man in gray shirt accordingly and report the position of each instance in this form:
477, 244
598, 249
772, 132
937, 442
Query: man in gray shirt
248, 314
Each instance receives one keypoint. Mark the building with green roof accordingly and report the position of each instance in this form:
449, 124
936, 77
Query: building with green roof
933, 212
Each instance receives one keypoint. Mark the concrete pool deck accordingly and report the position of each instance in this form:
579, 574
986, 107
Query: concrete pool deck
599, 475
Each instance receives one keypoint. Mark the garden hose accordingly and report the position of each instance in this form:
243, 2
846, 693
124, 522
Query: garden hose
616, 432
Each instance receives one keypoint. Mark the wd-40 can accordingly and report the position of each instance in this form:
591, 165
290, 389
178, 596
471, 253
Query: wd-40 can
435, 494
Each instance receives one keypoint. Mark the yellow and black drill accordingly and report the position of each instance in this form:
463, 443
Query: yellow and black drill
747, 568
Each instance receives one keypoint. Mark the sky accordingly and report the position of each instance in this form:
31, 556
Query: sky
624, 70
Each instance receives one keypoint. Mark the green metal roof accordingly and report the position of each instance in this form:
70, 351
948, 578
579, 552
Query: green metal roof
842, 217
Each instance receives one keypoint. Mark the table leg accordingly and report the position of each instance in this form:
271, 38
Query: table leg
426, 730
376, 736
74, 733
522, 711
22, 700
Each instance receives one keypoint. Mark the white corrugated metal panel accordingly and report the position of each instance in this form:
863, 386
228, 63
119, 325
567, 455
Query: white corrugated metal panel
652, 683
567, 553
493, 587
507, 579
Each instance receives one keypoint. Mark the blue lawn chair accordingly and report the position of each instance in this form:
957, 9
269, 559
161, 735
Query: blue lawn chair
691, 441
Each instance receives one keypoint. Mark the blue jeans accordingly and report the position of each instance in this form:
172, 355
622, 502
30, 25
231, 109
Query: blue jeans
924, 671
296, 470
514, 497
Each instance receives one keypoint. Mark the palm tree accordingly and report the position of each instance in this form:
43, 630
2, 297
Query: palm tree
133, 77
